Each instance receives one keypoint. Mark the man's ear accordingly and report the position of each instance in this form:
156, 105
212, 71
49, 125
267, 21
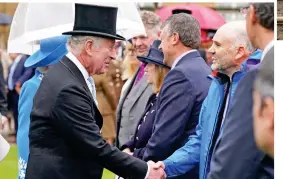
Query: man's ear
252, 14
241, 51
175, 38
269, 111
88, 47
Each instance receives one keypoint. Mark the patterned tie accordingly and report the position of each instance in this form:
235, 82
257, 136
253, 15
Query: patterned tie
140, 74
93, 91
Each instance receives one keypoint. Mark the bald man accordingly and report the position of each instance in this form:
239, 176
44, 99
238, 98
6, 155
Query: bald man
230, 48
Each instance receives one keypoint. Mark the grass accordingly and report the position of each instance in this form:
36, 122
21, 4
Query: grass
9, 166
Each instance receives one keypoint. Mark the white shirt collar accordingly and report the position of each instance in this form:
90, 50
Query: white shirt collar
78, 64
180, 57
18, 58
267, 48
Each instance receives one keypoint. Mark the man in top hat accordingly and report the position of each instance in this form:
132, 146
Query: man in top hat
65, 137
51, 51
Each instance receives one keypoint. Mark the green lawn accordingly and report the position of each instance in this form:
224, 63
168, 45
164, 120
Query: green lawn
9, 167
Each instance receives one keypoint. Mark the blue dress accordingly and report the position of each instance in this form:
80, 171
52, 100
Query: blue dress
27, 93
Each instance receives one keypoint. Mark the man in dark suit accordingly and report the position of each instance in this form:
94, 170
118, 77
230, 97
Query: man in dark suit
18, 74
134, 100
263, 108
65, 137
183, 90
236, 155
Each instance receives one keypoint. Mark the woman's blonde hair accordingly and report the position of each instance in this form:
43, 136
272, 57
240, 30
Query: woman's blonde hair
160, 72
129, 69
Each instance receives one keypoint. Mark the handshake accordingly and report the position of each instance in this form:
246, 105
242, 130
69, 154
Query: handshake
156, 170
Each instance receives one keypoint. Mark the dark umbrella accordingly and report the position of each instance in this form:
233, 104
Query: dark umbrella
5, 19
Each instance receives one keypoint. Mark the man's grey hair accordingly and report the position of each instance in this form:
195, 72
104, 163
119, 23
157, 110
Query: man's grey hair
237, 30
75, 43
264, 82
187, 27
151, 21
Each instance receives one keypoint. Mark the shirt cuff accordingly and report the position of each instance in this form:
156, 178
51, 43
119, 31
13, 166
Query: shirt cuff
148, 169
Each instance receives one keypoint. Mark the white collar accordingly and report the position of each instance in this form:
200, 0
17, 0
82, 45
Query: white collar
18, 58
180, 57
74, 59
266, 49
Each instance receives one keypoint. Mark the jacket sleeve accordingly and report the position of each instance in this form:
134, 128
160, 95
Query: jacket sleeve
74, 119
129, 145
188, 156
26, 76
172, 115
237, 145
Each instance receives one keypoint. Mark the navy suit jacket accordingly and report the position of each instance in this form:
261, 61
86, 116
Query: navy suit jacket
21, 73
178, 106
236, 155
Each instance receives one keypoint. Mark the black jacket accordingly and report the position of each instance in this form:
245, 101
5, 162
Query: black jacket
65, 139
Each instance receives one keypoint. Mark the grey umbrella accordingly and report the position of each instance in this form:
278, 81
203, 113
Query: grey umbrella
5, 19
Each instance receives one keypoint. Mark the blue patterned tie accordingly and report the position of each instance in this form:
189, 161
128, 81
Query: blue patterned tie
93, 91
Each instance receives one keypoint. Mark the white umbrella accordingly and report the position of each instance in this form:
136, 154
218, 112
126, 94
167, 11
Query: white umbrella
37, 21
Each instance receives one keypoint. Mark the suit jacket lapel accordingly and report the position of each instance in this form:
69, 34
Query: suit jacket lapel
76, 73
127, 91
139, 89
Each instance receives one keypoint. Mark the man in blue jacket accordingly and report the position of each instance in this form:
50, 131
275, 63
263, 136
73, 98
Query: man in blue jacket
236, 155
230, 48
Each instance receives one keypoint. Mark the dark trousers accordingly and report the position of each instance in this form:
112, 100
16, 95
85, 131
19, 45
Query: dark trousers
13, 100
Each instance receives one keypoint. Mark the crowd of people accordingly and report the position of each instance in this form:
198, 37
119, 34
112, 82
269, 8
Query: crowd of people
155, 110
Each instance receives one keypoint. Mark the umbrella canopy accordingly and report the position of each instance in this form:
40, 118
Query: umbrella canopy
207, 17
37, 21
5, 19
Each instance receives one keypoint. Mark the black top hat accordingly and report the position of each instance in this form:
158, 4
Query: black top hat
95, 21
154, 55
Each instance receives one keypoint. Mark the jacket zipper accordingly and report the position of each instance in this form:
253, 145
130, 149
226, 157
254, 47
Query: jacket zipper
206, 159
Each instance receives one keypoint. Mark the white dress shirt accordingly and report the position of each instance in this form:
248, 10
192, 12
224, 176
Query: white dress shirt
180, 57
88, 79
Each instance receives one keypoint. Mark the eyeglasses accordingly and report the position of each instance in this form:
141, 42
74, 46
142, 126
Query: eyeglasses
244, 11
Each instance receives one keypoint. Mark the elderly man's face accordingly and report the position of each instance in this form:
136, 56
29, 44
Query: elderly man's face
263, 114
100, 57
142, 42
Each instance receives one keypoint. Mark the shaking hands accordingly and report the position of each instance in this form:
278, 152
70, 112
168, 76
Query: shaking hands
156, 170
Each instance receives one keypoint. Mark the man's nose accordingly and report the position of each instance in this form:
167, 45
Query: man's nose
139, 42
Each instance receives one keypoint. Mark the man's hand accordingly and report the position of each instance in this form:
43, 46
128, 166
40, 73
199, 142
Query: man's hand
155, 173
18, 88
128, 151
4, 121
159, 164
